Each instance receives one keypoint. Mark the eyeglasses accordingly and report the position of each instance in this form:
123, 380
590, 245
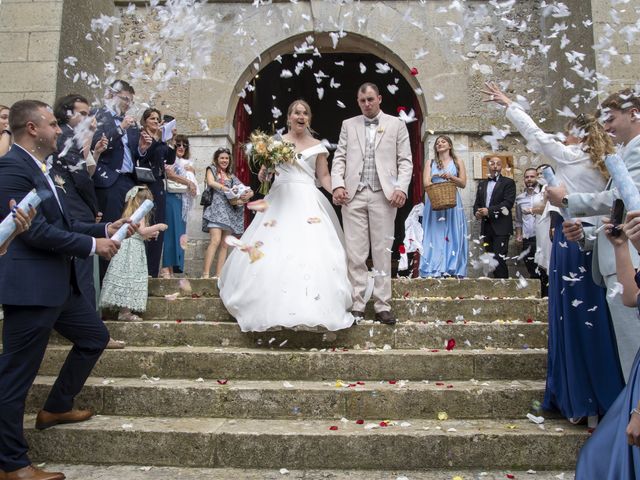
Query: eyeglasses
223, 150
182, 144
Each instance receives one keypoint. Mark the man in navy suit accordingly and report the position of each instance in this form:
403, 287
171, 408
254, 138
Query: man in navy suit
71, 174
39, 291
115, 170
494, 200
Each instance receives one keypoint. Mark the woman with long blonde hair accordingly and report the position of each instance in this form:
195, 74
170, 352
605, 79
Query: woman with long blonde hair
584, 375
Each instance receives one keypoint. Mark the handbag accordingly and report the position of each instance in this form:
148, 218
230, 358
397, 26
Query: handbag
176, 187
207, 197
144, 175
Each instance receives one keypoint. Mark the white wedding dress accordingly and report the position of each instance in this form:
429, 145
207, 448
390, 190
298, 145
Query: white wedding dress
301, 279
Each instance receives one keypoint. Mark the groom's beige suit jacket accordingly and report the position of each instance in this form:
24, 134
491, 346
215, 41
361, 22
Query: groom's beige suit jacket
393, 155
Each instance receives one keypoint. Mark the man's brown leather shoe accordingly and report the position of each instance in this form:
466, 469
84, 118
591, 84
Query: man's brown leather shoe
33, 473
47, 419
357, 314
385, 317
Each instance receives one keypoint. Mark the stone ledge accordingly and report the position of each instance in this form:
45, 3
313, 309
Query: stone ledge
204, 442
301, 399
257, 364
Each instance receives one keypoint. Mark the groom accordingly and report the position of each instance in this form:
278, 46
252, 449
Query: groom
370, 176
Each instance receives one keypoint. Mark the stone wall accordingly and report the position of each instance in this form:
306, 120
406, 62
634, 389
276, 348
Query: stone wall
29, 42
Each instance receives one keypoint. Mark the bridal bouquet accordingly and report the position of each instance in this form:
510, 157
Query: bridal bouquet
266, 151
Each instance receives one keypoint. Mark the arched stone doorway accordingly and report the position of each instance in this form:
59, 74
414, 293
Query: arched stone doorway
328, 80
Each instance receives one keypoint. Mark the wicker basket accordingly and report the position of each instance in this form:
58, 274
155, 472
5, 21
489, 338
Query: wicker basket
442, 195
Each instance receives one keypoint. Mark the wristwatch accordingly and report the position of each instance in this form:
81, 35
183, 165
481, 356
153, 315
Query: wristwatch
565, 201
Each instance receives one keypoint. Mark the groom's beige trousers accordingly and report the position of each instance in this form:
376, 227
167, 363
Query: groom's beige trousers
369, 222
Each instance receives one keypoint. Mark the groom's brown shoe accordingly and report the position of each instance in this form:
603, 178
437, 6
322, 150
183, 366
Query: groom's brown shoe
32, 473
47, 419
386, 317
358, 315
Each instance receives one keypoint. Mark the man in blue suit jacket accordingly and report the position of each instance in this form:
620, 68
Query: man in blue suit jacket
115, 172
72, 177
40, 292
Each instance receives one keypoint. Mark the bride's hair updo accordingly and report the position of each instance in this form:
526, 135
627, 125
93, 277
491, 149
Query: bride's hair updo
307, 108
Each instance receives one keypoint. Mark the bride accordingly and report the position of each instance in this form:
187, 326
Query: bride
296, 273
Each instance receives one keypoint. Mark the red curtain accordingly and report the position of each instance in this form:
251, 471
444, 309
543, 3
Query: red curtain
417, 151
242, 126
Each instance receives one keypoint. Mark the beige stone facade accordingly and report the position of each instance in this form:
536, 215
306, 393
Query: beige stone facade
454, 50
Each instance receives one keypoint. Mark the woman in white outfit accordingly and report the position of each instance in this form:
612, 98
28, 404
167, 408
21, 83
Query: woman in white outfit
300, 280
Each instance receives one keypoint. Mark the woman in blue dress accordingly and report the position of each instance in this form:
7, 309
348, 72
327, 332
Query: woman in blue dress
612, 453
444, 244
583, 370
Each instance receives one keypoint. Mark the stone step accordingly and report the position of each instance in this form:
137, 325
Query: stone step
405, 335
281, 364
309, 444
423, 309
146, 472
302, 399
402, 287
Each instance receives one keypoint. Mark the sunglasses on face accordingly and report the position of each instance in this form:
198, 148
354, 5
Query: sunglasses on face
180, 144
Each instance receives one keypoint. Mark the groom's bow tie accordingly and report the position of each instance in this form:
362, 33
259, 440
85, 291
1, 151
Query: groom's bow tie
368, 122
493, 179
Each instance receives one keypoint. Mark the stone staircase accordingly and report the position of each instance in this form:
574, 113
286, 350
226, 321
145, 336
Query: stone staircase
193, 397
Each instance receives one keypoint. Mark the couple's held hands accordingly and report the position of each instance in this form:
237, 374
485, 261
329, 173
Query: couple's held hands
482, 212
340, 196
398, 199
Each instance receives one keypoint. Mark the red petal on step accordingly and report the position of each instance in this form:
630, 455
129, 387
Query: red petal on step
360, 422
333, 427
223, 381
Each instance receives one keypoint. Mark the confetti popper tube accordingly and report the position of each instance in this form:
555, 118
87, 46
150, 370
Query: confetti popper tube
8, 226
622, 181
552, 181
137, 217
